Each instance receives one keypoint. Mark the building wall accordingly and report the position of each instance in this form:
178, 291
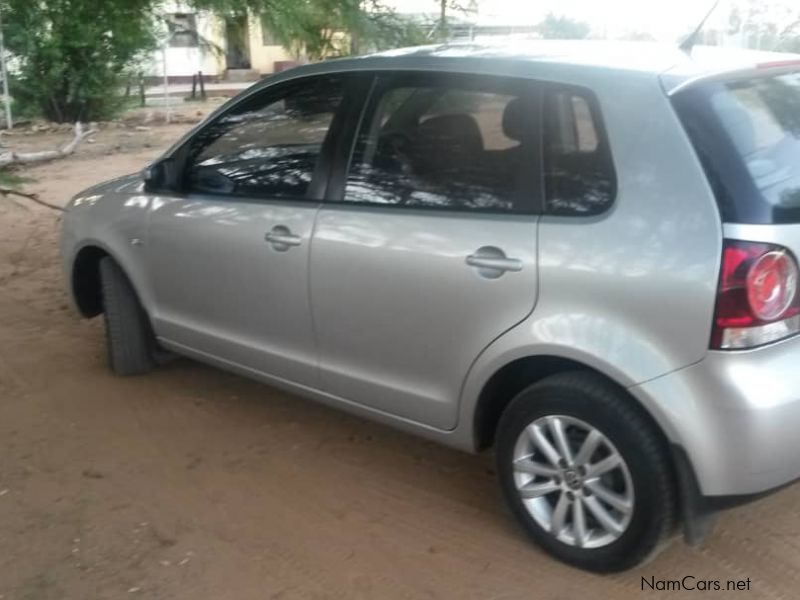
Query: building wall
183, 62
188, 61
263, 57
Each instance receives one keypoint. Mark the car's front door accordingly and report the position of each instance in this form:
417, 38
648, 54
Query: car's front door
428, 252
229, 255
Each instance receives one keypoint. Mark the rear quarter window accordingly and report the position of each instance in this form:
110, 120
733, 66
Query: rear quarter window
579, 171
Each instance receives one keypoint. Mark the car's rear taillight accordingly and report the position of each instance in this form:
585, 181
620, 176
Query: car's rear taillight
757, 299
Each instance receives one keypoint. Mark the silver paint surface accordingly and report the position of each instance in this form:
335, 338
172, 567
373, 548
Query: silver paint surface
377, 311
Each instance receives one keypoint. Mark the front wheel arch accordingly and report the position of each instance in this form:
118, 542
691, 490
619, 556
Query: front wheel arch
85, 280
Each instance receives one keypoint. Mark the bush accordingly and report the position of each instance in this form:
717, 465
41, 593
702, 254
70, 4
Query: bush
70, 56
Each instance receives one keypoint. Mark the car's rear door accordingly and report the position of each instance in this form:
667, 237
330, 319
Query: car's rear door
425, 248
229, 254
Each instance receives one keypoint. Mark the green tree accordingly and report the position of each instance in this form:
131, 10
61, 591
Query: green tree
324, 28
71, 54
766, 26
443, 27
789, 37
563, 28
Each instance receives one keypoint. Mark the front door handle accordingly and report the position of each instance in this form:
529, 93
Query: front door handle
492, 262
282, 238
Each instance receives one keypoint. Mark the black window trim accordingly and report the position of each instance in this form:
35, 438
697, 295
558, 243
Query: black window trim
355, 84
385, 79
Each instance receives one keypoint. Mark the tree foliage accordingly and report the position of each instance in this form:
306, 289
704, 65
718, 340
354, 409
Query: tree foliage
325, 28
765, 26
563, 28
446, 7
70, 55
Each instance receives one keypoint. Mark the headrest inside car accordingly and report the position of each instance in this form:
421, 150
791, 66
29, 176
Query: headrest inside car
514, 119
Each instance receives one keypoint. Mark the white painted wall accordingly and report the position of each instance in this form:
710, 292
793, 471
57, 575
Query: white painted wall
187, 61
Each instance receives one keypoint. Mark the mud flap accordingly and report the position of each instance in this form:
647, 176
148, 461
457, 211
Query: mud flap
697, 517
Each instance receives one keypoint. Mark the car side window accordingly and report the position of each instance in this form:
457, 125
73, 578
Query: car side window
579, 171
267, 146
459, 144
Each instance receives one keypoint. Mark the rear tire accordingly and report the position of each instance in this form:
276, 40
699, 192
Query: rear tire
581, 509
129, 337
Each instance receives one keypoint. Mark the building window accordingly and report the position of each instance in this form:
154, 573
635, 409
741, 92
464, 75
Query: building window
183, 30
267, 37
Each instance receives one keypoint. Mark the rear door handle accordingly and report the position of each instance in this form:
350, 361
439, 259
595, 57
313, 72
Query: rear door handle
499, 264
282, 238
491, 262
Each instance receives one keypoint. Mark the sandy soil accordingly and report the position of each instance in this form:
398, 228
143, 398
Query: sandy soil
192, 483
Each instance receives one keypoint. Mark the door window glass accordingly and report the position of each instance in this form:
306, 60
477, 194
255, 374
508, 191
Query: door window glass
448, 146
268, 146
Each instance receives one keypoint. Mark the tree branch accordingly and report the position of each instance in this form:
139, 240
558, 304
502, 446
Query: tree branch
12, 158
789, 29
32, 197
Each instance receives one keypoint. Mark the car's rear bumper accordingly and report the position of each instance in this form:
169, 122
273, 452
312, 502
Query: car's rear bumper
737, 417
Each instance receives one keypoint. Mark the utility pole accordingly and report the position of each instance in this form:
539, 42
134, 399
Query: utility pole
4, 73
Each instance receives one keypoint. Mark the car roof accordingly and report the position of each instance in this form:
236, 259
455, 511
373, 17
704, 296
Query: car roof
543, 58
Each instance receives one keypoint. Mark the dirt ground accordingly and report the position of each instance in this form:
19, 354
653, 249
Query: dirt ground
193, 483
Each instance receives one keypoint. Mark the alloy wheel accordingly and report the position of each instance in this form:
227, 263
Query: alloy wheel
573, 481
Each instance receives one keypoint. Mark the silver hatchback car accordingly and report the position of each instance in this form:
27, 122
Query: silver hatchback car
583, 255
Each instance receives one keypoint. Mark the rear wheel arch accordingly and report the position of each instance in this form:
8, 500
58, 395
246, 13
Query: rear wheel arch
510, 379
639, 488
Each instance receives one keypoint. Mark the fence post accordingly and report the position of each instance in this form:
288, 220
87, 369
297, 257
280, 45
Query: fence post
194, 85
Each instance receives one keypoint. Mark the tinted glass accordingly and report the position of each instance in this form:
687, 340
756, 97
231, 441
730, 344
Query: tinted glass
579, 173
269, 146
747, 136
762, 118
448, 146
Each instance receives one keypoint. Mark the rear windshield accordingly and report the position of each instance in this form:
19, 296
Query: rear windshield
747, 134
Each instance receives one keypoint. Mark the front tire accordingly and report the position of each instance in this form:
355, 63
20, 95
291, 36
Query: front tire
129, 337
586, 473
